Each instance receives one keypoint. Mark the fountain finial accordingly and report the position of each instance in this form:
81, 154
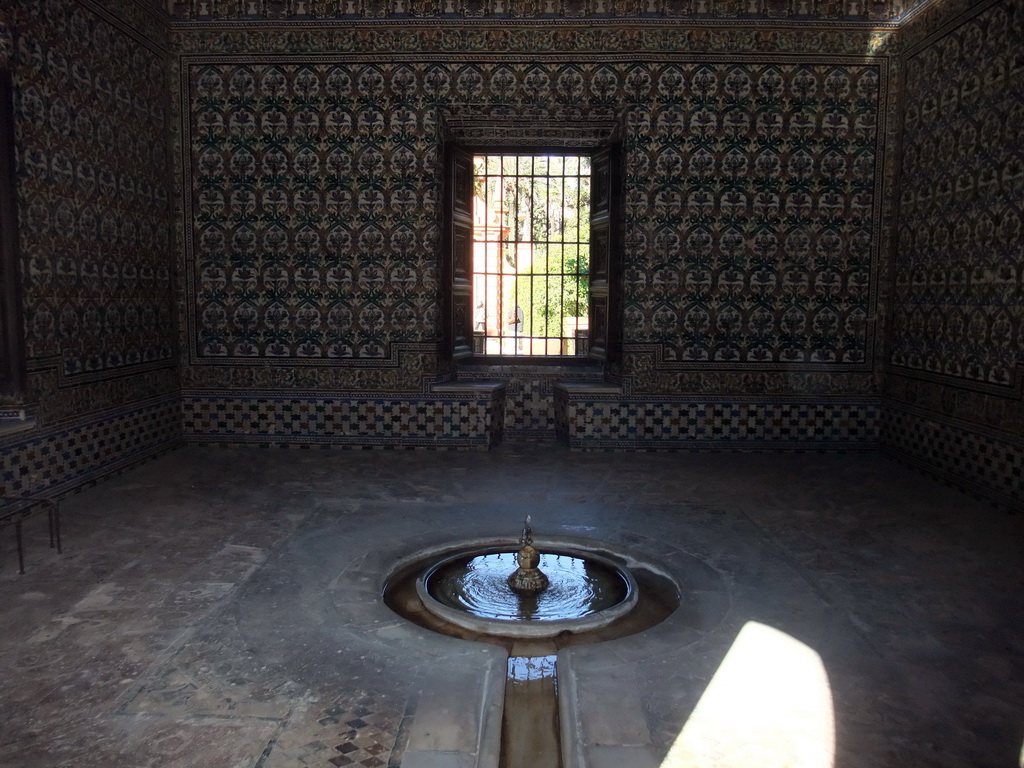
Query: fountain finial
527, 536
527, 579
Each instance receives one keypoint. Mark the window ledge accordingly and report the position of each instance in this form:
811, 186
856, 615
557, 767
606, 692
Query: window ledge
584, 388
15, 420
475, 387
541, 361
542, 366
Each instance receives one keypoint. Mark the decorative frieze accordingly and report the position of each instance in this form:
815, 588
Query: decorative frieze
803, 10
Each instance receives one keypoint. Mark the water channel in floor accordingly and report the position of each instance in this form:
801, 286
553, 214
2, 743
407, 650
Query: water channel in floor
594, 596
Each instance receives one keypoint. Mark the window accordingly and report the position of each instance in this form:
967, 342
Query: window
11, 344
530, 244
531, 254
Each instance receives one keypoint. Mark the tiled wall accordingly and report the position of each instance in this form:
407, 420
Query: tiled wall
988, 462
310, 187
310, 203
956, 368
530, 396
595, 10
61, 458
93, 184
308, 192
93, 193
441, 421
529, 406
606, 422
958, 267
313, 224
312, 217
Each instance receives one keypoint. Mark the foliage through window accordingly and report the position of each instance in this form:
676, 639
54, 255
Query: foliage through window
531, 254
531, 247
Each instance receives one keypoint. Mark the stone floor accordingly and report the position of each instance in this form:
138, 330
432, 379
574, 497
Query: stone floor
219, 608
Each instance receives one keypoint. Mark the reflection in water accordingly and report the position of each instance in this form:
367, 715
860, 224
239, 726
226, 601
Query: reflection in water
477, 585
529, 734
531, 667
768, 705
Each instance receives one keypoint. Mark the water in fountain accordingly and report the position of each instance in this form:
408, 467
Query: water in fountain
548, 593
478, 585
572, 591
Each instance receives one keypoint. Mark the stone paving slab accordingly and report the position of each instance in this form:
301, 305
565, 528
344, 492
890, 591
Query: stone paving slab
220, 607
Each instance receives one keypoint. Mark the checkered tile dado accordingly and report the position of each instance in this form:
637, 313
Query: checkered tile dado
450, 421
64, 458
984, 461
585, 421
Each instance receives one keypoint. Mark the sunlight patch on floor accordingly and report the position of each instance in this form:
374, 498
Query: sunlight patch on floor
768, 705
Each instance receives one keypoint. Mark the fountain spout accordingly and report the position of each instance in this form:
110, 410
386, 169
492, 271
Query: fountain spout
527, 579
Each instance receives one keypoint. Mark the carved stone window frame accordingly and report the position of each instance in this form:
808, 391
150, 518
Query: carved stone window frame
497, 130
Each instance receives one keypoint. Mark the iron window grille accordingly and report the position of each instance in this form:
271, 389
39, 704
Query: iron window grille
531, 254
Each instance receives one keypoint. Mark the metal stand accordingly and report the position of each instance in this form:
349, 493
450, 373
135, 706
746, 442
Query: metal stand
14, 510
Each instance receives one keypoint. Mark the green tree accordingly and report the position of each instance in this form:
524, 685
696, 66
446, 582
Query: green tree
547, 205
